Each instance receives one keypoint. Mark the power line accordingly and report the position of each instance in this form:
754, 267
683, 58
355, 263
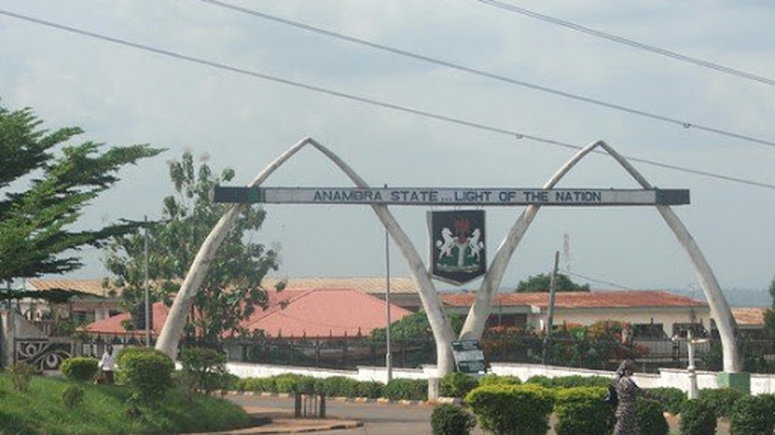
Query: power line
352, 97
494, 76
578, 275
630, 42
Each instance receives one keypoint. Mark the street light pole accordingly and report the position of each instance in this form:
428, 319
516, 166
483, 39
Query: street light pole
147, 291
388, 355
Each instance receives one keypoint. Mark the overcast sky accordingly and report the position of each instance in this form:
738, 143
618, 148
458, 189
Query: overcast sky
122, 95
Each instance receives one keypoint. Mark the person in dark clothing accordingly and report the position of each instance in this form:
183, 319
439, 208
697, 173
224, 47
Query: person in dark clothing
627, 391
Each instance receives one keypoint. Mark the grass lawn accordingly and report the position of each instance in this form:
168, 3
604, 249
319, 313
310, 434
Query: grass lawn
41, 410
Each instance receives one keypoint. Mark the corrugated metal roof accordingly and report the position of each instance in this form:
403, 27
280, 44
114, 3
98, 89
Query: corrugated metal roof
91, 286
598, 299
364, 284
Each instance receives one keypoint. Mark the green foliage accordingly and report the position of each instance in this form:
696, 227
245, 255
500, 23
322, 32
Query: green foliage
407, 389
53, 183
753, 415
580, 411
264, 385
697, 418
231, 290
414, 326
370, 389
542, 283
21, 375
651, 418
457, 384
450, 419
721, 400
206, 367
288, 383
492, 379
512, 409
672, 398
42, 410
80, 368
147, 372
72, 396
338, 386
571, 381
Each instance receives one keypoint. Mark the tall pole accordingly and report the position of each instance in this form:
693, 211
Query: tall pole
388, 355
550, 314
147, 291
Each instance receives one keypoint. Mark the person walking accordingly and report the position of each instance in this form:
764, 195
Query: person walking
627, 392
108, 364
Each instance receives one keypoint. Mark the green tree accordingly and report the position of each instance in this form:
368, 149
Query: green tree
769, 315
541, 283
232, 288
47, 185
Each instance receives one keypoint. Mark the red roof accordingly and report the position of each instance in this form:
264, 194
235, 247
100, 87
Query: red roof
292, 313
599, 299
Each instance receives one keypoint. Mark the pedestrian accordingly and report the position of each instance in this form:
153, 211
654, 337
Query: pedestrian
107, 364
627, 392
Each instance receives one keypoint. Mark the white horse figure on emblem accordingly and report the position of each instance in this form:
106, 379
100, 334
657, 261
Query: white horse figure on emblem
447, 244
475, 244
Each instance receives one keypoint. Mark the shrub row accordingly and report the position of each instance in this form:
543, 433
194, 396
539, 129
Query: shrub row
337, 386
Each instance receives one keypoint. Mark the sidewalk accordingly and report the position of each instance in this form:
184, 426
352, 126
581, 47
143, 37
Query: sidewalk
275, 420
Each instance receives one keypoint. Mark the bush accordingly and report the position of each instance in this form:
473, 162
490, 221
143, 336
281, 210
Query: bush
286, 383
338, 386
21, 375
540, 380
72, 396
305, 385
574, 381
206, 368
449, 419
370, 389
147, 372
651, 418
407, 389
753, 415
80, 368
265, 385
697, 418
672, 398
512, 409
580, 411
457, 384
721, 400
491, 379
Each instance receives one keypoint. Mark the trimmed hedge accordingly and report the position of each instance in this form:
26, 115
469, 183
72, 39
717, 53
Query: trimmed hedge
697, 418
80, 368
407, 389
457, 384
672, 398
512, 409
721, 400
448, 419
580, 411
338, 386
753, 415
147, 372
370, 389
571, 381
651, 418
491, 379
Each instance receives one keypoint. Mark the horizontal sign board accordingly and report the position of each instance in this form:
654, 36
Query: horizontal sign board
450, 196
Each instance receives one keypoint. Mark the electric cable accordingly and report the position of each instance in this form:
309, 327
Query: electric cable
629, 42
369, 101
494, 76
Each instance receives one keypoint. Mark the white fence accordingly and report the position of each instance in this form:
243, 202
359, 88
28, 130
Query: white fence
760, 384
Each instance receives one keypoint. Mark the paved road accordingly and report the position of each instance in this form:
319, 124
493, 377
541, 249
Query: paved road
378, 419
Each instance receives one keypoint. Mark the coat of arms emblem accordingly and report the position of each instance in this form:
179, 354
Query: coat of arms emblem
457, 245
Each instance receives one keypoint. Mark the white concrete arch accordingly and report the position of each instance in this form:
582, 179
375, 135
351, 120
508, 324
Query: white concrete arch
173, 327
477, 316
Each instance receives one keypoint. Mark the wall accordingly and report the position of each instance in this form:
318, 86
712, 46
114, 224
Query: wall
760, 384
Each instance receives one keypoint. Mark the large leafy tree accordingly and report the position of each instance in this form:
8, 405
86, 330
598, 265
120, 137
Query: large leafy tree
46, 183
541, 283
769, 315
232, 288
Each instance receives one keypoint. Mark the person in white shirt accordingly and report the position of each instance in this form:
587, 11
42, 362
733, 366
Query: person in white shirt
108, 364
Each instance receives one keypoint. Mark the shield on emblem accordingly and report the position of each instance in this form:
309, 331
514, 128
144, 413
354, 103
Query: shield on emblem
457, 245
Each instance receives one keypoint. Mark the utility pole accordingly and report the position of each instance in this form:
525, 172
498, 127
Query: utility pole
388, 355
550, 313
147, 291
